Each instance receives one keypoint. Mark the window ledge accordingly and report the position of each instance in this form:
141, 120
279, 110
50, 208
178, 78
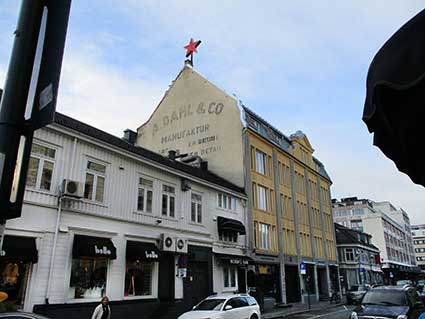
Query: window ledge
196, 224
227, 210
94, 203
40, 191
139, 297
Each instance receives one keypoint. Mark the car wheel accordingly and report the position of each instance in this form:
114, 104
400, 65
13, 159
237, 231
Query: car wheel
254, 316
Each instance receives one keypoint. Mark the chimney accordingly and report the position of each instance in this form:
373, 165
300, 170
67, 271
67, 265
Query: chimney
172, 154
130, 136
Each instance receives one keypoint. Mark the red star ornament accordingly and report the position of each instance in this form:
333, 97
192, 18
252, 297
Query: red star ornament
191, 47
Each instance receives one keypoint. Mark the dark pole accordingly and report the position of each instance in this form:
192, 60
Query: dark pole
308, 291
13, 131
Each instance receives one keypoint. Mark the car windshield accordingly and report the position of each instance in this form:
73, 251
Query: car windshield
210, 304
354, 288
403, 282
385, 297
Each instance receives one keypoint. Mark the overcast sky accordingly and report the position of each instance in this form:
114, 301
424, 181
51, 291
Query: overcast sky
299, 64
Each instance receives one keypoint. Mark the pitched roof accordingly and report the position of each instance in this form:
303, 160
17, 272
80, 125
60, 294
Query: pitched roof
346, 235
73, 124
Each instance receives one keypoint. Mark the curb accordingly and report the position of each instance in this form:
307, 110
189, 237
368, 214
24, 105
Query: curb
297, 312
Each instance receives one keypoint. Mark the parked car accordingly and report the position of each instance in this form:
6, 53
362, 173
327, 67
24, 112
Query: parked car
389, 302
356, 293
404, 282
225, 307
21, 315
420, 284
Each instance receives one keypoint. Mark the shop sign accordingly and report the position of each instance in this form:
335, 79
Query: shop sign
151, 255
303, 269
264, 270
102, 251
238, 262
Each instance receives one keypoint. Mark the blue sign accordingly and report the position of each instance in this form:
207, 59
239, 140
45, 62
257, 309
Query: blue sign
303, 269
391, 275
362, 270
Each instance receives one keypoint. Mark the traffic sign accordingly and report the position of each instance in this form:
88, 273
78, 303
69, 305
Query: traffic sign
303, 269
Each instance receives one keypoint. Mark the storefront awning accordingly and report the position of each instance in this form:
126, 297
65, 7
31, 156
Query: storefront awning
142, 251
16, 248
230, 225
88, 246
394, 107
234, 259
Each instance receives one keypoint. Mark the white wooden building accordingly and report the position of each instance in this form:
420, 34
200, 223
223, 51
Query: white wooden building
104, 217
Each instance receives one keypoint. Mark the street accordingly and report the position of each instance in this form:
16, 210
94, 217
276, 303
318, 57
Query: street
341, 312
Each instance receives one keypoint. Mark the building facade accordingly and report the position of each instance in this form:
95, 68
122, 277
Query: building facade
359, 260
289, 206
418, 235
104, 217
392, 236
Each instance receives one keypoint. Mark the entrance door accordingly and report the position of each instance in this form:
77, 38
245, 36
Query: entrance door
196, 285
322, 283
166, 277
242, 280
292, 284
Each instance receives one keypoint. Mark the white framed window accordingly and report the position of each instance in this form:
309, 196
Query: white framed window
88, 278
145, 195
349, 254
168, 200
264, 236
260, 162
262, 197
94, 187
228, 236
40, 167
229, 277
196, 208
226, 201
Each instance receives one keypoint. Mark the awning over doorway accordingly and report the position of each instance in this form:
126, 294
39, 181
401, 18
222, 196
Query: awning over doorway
394, 108
230, 225
234, 259
88, 246
17, 248
142, 251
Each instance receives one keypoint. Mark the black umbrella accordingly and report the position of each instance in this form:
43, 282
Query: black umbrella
395, 99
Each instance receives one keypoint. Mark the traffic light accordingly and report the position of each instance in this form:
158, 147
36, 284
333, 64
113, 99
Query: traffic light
29, 98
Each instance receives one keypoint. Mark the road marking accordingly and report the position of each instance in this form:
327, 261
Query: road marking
330, 313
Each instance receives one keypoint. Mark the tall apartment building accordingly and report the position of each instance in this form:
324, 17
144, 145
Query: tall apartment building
418, 234
390, 230
290, 221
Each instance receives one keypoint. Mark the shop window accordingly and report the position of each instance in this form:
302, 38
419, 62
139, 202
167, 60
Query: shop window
40, 167
229, 277
95, 181
260, 162
196, 208
145, 195
138, 278
88, 278
168, 200
226, 202
14, 277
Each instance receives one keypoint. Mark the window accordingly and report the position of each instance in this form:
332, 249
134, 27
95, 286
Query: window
228, 236
196, 208
261, 159
229, 277
226, 202
349, 254
95, 181
262, 197
88, 278
138, 278
144, 198
264, 236
168, 201
40, 167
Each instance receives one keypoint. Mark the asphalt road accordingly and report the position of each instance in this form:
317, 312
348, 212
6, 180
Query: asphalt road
341, 312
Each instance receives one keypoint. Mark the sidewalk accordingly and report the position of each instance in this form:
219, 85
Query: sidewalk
298, 308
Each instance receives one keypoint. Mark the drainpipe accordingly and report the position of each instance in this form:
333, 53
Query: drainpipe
52, 258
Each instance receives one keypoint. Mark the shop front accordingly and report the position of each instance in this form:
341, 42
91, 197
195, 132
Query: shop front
90, 258
17, 257
234, 271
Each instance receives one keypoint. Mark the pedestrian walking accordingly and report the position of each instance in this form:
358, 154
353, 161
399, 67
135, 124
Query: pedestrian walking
102, 311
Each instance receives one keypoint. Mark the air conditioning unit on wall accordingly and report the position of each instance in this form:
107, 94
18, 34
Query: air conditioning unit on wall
168, 243
72, 188
181, 245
